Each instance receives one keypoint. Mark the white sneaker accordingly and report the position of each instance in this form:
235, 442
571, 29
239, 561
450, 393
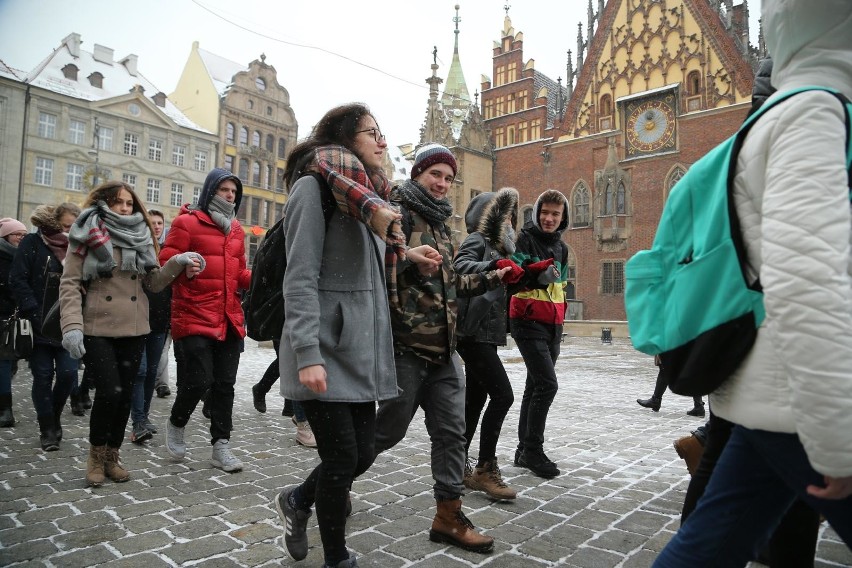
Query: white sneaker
304, 434
174, 441
223, 458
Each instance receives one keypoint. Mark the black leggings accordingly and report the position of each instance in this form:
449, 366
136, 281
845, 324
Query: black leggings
485, 377
345, 434
112, 362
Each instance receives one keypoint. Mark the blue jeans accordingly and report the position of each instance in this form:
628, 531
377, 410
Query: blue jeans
756, 479
298, 411
49, 397
439, 391
540, 359
143, 386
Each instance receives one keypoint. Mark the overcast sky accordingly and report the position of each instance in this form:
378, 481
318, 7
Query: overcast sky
383, 47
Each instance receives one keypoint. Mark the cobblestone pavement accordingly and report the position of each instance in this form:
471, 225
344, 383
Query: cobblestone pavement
616, 503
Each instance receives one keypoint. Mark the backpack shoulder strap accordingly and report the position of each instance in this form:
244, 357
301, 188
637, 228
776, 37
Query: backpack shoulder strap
329, 203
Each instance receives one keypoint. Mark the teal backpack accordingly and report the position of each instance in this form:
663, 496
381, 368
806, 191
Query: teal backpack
688, 299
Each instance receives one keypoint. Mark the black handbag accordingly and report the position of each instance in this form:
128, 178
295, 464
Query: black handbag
16, 337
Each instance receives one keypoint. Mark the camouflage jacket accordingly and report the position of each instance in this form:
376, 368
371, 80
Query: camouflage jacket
423, 308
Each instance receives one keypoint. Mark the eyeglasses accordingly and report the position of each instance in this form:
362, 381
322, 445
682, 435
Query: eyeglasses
376, 133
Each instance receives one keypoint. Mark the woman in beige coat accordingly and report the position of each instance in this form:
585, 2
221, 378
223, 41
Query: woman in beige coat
112, 254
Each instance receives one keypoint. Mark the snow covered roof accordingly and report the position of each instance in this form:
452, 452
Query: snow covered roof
117, 78
401, 164
221, 70
9, 72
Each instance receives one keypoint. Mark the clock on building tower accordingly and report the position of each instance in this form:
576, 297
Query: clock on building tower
650, 126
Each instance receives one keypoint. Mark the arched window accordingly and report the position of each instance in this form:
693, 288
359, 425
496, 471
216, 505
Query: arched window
255, 174
244, 136
243, 173
609, 199
581, 206
255, 139
606, 105
270, 143
571, 272
621, 199
282, 149
229, 133
70, 71
671, 180
693, 83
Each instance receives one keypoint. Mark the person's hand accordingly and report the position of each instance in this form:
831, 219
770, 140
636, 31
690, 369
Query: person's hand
427, 259
72, 341
382, 221
537, 267
549, 275
193, 262
514, 272
835, 488
313, 377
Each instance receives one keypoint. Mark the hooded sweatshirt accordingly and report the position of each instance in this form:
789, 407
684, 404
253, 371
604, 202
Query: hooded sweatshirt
791, 195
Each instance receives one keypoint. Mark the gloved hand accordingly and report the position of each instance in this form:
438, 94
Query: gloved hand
509, 241
549, 275
72, 341
515, 273
537, 267
187, 258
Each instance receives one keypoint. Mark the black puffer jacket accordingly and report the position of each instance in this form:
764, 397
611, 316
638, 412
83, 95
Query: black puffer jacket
32, 262
7, 300
482, 319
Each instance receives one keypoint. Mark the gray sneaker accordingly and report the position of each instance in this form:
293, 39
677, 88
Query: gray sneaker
223, 458
174, 441
295, 525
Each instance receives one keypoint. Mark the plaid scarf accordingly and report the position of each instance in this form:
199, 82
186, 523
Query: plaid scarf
358, 193
98, 230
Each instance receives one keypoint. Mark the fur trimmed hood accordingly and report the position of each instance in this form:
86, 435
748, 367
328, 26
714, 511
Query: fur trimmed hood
44, 217
487, 214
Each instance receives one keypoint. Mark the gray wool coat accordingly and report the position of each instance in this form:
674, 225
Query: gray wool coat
335, 304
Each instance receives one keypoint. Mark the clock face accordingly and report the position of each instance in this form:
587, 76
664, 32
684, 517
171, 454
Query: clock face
260, 84
650, 127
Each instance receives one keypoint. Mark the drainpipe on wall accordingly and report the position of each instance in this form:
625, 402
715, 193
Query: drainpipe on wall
23, 153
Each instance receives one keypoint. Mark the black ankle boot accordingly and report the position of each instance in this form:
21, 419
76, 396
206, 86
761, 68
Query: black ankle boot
77, 408
653, 403
697, 410
7, 419
47, 437
85, 399
57, 426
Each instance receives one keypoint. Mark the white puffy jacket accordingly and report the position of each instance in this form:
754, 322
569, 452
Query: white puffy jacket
791, 194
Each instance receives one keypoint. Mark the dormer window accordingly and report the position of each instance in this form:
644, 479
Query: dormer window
160, 99
70, 71
96, 80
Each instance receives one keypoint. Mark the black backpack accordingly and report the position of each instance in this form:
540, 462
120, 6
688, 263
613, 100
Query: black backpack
263, 302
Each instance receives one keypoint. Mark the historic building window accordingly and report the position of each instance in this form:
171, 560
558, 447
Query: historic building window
571, 275
74, 177
179, 155
244, 136
176, 197
104, 135
510, 135
255, 139
693, 91
46, 125
511, 72
201, 161
523, 132
70, 71
605, 113
229, 133
270, 179
535, 129
229, 163
279, 180
129, 179
96, 80
131, 144
243, 173
255, 174
196, 194
580, 207
76, 131
500, 106
674, 176
489, 108
152, 195
155, 150
615, 199
282, 149
522, 100
499, 137
250, 104
612, 277
269, 111
510, 103
43, 171
500, 75
270, 143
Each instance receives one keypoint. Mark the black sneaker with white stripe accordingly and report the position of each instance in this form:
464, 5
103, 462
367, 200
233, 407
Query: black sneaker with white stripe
295, 525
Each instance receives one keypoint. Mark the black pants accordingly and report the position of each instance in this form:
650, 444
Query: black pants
485, 377
345, 434
272, 374
204, 363
112, 364
662, 385
540, 359
793, 544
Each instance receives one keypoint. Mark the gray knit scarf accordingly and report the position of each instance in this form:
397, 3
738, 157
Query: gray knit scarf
416, 197
221, 212
98, 230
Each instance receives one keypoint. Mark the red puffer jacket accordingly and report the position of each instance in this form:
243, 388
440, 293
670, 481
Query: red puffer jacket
209, 302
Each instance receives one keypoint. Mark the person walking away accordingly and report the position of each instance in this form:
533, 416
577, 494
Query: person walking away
535, 319
40, 256
207, 317
336, 353
12, 232
660, 388
790, 401
490, 220
423, 302
112, 258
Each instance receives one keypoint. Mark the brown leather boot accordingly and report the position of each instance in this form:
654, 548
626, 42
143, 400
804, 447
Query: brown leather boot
95, 466
690, 450
487, 478
451, 526
112, 466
